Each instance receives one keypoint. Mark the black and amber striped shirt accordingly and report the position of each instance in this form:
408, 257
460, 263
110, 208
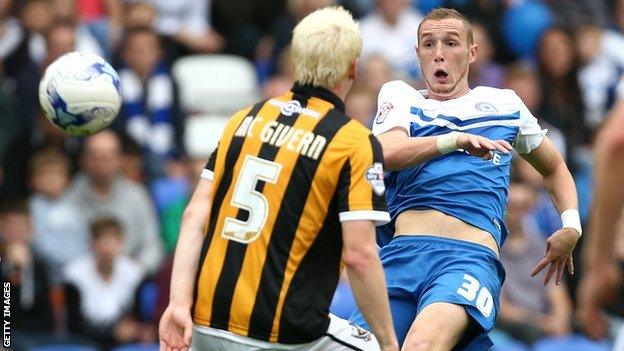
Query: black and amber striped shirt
285, 173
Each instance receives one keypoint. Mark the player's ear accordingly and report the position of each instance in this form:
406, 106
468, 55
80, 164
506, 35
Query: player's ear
472, 52
353, 70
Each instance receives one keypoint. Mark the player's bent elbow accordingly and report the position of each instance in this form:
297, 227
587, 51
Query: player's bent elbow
392, 158
192, 214
359, 258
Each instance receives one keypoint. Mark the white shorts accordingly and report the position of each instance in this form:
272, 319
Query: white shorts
341, 336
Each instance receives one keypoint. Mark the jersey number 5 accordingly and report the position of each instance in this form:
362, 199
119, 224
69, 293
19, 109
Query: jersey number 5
246, 197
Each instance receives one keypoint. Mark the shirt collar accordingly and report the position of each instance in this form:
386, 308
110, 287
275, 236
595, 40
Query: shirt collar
319, 92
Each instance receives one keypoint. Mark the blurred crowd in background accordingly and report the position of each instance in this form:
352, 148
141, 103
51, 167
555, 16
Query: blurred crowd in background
88, 225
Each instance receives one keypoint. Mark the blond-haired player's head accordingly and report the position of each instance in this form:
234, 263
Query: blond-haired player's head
325, 47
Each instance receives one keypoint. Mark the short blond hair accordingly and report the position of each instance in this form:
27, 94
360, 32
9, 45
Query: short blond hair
441, 13
325, 43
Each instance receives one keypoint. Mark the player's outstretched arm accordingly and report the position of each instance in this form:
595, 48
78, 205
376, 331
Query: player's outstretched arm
547, 160
367, 280
401, 151
176, 324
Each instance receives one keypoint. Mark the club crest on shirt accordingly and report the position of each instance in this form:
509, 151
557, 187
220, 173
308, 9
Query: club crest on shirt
375, 176
485, 107
383, 111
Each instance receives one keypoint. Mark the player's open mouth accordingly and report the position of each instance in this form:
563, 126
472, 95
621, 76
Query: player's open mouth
440, 74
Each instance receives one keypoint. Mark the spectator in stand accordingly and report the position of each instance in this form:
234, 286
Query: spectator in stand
150, 115
13, 40
244, 22
283, 80
104, 20
562, 102
9, 130
376, 71
31, 308
132, 163
54, 222
389, 31
524, 80
184, 26
529, 309
101, 289
100, 189
279, 34
360, 105
601, 53
15, 65
138, 14
66, 11
485, 71
35, 16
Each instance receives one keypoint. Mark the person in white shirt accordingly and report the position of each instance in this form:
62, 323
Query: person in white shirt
389, 31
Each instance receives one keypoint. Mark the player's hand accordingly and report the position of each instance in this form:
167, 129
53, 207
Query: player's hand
558, 255
175, 329
479, 146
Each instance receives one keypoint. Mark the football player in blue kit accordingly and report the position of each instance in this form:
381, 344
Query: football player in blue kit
448, 149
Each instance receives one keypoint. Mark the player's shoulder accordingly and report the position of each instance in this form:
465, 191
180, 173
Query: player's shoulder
496, 94
398, 90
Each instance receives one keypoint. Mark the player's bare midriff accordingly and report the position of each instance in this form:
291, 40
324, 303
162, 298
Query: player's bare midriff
436, 223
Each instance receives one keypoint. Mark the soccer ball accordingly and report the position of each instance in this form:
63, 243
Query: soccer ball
80, 93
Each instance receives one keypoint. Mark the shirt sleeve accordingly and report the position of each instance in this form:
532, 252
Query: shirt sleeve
393, 108
530, 134
361, 188
208, 171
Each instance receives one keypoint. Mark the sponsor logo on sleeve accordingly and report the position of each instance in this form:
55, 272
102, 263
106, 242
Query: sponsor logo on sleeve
375, 176
383, 111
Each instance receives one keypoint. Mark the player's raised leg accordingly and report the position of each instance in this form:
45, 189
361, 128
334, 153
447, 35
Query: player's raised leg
439, 326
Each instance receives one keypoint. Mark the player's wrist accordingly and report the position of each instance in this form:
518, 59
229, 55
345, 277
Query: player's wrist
570, 218
447, 142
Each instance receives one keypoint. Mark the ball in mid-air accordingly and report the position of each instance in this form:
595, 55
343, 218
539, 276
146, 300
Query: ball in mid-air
80, 93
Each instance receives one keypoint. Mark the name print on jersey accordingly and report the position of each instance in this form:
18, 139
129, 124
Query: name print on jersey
278, 134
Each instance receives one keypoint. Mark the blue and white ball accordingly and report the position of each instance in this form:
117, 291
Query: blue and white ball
80, 93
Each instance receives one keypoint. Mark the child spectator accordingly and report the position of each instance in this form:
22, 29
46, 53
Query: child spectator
54, 222
101, 287
31, 310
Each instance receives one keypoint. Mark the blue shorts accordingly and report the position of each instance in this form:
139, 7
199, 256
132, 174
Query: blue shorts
422, 269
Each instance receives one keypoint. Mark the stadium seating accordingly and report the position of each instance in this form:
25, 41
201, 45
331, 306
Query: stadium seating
218, 84
203, 133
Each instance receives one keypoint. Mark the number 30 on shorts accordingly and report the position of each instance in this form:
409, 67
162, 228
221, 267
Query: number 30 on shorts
470, 291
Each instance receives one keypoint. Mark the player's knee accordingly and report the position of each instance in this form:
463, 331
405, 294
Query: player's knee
419, 343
